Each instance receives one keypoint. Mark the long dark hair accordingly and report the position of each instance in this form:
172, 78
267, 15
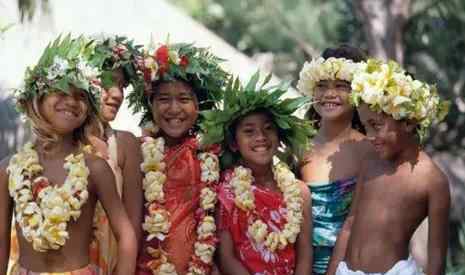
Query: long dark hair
347, 52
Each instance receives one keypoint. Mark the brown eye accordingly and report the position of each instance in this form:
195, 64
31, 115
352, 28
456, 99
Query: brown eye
162, 99
186, 99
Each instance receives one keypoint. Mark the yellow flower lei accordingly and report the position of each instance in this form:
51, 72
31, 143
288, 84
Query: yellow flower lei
241, 183
157, 222
43, 214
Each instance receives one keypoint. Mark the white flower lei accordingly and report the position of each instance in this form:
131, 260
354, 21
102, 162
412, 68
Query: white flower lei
326, 69
241, 183
43, 213
157, 223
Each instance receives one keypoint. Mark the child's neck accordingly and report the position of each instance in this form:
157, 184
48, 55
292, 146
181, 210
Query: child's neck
335, 129
59, 149
172, 141
409, 154
263, 175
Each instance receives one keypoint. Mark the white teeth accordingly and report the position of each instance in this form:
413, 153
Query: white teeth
174, 120
68, 113
260, 149
330, 105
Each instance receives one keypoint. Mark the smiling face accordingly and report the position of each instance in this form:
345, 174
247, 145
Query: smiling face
113, 96
332, 98
65, 112
388, 136
174, 109
256, 139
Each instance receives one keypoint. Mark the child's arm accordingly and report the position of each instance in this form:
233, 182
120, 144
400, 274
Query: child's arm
340, 247
132, 185
5, 218
229, 265
438, 221
102, 176
303, 246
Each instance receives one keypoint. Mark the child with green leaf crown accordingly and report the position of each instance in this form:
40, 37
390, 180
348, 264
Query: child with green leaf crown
396, 111
180, 176
330, 169
264, 214
52, 184
117, 58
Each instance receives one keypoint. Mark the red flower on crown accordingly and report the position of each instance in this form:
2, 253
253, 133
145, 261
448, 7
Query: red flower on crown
184, 62
162, 57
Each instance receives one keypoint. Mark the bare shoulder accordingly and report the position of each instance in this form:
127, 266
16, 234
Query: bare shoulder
125, 136
97, 166
127, 140
357, 136
436, 181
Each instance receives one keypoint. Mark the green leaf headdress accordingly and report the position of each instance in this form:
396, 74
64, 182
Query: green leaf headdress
196, 66
295, 133
63, 63
118, 52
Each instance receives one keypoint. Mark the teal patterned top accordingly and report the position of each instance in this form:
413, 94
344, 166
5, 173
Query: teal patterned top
330, 206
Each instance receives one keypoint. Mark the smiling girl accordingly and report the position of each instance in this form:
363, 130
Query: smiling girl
330, 169
52, 184
179, 176
264, 212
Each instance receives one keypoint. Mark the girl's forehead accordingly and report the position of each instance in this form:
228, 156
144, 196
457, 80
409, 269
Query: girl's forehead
174, 88
255, 118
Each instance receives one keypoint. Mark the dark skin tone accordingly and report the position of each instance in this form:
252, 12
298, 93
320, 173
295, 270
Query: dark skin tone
336, 144
175, 110
399, 176
257, 141
101, 186
129, 154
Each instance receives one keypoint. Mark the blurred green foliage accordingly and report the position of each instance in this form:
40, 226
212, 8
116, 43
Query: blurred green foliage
295, 30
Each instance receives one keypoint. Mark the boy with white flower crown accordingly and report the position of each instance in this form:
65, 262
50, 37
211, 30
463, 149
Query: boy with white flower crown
396, 111
52, 184
264, 212
180, 176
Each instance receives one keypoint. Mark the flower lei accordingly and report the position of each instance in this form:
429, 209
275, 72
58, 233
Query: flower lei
241, 183
388, 88
43, 211
157, 222
325, 69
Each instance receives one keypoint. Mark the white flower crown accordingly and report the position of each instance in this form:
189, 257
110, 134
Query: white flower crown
326, 69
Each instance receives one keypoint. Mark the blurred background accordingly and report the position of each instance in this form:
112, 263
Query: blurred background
426, 36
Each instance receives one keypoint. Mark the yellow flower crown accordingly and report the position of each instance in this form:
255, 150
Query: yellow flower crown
326, 69
386, 87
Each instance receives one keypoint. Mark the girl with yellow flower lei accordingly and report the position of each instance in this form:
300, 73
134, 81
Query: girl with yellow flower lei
52, 185
265, 218
179, 231
331, 167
